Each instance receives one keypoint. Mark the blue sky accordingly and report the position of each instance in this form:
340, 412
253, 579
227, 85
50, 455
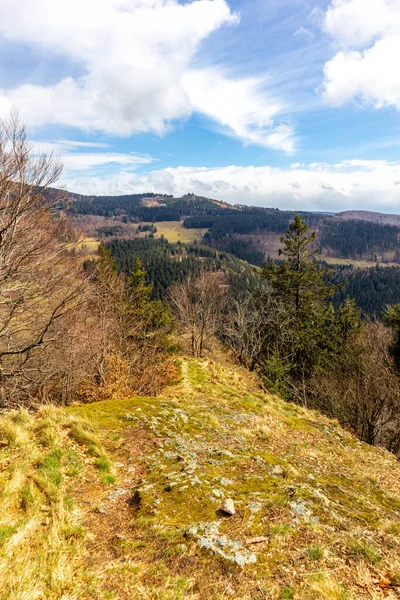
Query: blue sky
293, 104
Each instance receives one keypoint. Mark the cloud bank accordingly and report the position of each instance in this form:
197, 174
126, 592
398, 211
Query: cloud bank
77, 157
357, 184
131, 65
366, 34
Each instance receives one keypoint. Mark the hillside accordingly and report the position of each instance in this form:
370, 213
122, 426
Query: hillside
366, 215
251, 233
120, 499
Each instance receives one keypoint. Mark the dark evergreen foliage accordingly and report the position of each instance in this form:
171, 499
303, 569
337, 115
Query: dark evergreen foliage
356, 239
167, 263
109, 231
304, 290
372, 288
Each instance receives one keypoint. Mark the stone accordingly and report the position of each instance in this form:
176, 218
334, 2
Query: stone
228, 507
254, 507
277, 471
117, 493
225, 481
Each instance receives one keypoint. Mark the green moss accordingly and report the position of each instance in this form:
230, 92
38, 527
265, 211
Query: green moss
197, 375
283, 529
6, 531
315, 552
287, 594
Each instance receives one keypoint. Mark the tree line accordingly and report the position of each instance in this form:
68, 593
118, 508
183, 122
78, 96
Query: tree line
302, 346
166, 263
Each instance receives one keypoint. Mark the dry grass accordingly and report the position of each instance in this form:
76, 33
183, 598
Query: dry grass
42, 540
174, 231
323, 506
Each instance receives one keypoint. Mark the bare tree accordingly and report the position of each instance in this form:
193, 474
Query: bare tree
198, 305
39, 282
363, 389
256, 327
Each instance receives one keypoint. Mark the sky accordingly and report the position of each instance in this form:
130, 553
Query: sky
285, 103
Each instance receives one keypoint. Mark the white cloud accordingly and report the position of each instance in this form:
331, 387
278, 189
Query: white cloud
240, 106
304, 32
76, 161
368, 185
367, 37
135, 62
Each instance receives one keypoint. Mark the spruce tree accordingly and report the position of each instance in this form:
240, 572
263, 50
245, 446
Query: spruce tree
303, 287
299, 279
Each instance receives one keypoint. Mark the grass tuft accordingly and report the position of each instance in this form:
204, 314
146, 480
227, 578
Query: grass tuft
360, 549
315, 552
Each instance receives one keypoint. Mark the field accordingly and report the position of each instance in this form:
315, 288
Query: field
361, 264
87, 246
173, 231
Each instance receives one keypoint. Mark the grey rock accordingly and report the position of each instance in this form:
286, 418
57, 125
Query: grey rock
228, 507
117, 493
129, 417
254, 507
277, 471
225, 481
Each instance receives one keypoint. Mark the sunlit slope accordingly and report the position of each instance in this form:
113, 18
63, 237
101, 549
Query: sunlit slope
317, 513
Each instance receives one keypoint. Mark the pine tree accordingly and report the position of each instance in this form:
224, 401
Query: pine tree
299, 279
303, 287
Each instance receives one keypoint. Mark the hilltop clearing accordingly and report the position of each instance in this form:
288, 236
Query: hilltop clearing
121, 499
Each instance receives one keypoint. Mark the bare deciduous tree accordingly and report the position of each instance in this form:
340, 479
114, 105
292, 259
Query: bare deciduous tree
363, 390
198, 305
39, 282
256, 327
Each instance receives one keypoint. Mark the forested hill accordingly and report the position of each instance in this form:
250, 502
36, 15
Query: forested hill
251, 233
167, 263
148, 206
372, 288
366, 215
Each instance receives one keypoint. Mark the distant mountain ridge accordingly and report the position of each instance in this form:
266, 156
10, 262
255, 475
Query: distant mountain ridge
153, 199
250, 233
366, 215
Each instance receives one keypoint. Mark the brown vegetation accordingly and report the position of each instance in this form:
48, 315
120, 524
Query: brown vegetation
363, 389
38, 275
64, 333
198, 304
